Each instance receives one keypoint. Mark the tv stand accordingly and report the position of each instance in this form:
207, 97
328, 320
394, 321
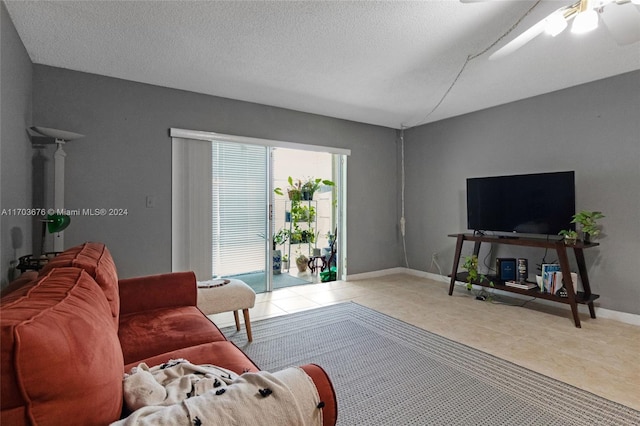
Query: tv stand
573, 299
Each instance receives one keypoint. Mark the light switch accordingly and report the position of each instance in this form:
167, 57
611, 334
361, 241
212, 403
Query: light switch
151, 201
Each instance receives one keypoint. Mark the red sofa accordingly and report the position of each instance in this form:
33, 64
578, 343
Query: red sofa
70, 332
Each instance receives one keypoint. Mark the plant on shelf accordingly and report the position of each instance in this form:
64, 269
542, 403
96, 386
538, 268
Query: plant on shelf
312, 185
302, 213
471, 265
294, 191
570, 236
588, 221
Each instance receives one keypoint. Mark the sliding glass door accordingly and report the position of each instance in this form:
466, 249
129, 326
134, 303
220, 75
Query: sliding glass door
225, 213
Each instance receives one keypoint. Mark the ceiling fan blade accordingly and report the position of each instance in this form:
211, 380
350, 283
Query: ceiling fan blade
519, 41
622, 21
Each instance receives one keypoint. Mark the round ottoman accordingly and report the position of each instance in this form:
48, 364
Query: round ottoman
224, 295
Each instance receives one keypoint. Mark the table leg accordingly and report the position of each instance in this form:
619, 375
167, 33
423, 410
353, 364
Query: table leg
456, 261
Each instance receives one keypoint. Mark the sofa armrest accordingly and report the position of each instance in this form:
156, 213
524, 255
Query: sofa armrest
326, 392
157, 291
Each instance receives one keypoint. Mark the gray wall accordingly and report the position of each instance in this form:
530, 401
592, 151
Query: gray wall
593, 129
15, 148
126, 155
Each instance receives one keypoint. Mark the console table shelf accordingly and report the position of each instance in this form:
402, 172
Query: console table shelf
573, 299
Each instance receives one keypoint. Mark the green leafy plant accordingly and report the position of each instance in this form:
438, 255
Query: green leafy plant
294, 190
471, 266
570, 236
588, 221
280, 237
312, 185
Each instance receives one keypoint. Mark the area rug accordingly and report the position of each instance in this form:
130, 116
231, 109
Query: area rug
255, 280
388, 372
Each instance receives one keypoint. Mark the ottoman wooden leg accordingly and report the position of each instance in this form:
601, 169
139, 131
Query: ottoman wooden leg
235, 316
247, 324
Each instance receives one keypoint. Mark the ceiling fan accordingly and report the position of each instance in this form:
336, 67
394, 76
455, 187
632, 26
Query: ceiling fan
620, 17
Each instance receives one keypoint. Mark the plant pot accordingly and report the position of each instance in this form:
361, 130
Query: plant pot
285, 265
586, 237
294, 194
307, 195
570, 241
302, 264
277, 261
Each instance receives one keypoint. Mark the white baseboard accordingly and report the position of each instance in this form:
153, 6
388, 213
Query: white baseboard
625, 317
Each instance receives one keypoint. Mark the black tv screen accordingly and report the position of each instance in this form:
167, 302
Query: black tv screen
541, 203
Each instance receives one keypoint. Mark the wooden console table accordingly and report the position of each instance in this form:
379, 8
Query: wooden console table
573, 299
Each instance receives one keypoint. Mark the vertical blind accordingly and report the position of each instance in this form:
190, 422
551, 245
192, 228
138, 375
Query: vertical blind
191, 207
239, 204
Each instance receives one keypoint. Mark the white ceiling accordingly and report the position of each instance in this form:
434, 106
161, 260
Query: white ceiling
387, 63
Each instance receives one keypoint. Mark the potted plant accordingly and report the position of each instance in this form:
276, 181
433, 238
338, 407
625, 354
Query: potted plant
331, 237
285, 262
570, 236
302, 262
294, 191
588, 223
471, 265
279, 238
312, 185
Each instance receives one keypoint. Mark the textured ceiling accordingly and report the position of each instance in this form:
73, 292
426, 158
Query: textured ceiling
389, 63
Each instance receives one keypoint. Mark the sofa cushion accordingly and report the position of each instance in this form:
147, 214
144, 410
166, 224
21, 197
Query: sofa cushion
225, 354
96, 259
147, 333
21, 283
61, 358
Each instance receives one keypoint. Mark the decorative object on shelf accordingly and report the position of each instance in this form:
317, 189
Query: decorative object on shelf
570, 236
588, 224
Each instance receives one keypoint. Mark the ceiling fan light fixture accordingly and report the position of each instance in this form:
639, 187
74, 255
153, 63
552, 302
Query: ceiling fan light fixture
585, 21
555, 24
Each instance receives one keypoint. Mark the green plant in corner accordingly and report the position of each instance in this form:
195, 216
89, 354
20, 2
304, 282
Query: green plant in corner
471, 265
588, 221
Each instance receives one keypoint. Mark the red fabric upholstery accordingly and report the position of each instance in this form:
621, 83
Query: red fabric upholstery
96, 259
20, 283
224, 354
326, 392
149, 333
158, 291
61, 358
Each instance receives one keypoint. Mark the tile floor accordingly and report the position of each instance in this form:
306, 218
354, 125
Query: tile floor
601, 357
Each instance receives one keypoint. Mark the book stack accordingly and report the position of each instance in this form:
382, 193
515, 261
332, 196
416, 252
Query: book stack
523, 285
551, 278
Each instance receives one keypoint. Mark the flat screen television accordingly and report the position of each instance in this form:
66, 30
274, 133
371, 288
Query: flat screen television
540, 203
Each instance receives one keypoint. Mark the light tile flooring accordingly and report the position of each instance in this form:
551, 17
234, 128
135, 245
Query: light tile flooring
601, 357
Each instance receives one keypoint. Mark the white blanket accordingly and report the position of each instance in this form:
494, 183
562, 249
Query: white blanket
181, 393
